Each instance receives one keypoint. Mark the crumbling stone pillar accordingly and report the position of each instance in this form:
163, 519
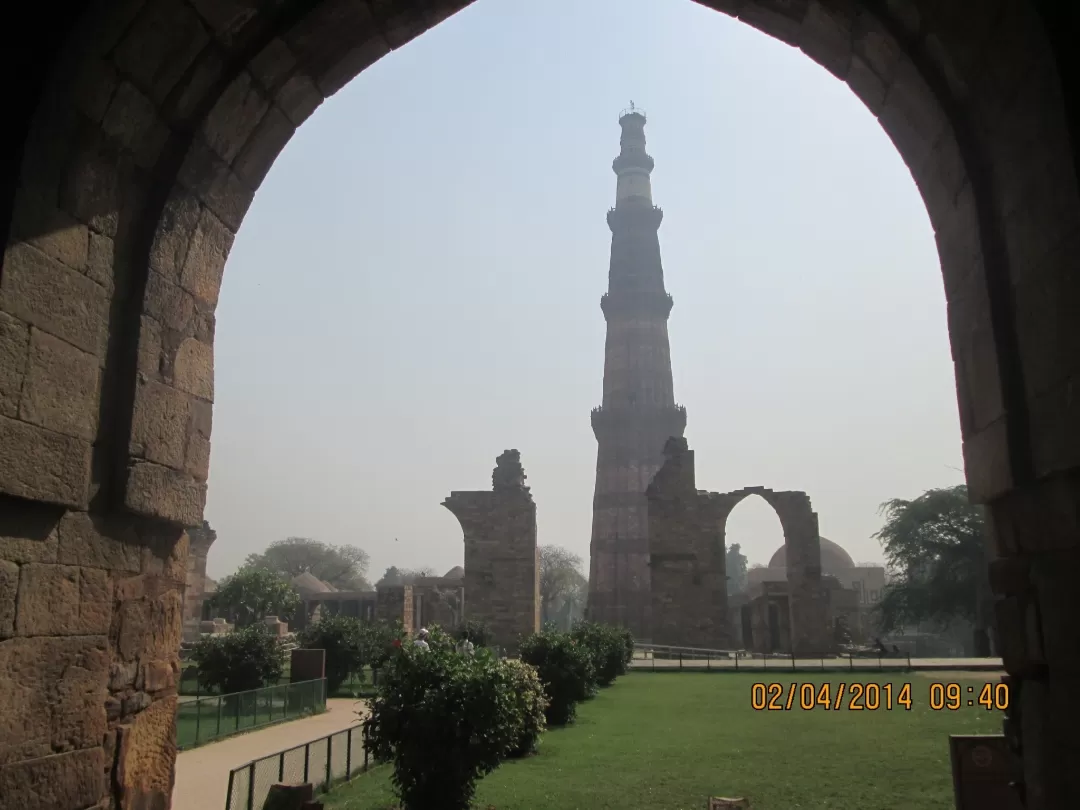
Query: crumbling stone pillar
200, 538
502, 562
394, 603
687, 558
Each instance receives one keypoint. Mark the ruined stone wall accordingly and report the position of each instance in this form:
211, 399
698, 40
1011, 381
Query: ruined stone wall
687, 559
502, 568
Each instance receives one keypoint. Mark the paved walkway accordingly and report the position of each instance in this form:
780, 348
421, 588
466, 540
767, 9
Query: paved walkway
202, 774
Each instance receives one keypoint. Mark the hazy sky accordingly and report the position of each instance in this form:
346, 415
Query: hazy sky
416, 287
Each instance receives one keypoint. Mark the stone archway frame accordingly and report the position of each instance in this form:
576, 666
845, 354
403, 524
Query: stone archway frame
160, 119
807, 599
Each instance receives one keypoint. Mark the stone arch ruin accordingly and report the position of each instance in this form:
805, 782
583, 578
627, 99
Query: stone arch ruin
143, 129
688, 565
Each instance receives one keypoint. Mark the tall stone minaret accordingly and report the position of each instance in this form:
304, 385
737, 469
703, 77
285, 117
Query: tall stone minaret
638, 413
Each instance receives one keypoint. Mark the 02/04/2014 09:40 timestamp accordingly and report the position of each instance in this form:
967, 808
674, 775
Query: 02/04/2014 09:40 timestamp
941, 696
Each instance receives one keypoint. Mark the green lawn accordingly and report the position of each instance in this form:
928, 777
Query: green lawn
667, 741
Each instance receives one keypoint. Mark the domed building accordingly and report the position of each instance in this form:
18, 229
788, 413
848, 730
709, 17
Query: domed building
760, 616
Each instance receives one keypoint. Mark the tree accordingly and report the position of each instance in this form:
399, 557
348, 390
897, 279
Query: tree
251, 594
736, 569
342, 637
935, 549
344, 567
560, 579
240, 661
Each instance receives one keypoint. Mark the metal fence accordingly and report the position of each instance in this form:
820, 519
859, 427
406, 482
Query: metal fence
660, 657
324, 762
210, 718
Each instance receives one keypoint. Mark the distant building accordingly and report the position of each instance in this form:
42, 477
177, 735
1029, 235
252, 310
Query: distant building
760, 614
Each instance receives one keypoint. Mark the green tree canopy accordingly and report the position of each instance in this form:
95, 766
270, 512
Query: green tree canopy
560, 579
344, 567
936, 556
251, 594
736, 569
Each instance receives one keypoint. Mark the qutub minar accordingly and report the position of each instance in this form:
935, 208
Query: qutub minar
638, 413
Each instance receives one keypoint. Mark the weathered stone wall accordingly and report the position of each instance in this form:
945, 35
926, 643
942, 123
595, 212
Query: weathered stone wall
686, 551
502, 563
90, 621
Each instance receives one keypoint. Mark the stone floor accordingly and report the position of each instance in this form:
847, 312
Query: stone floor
202, 774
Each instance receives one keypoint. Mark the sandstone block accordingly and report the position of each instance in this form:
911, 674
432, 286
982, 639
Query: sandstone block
299, 98
273, 64
197, 461
63, 302
28, 531
61, 387
150, 347
159, 675
72, 779
63, 600
91, 191
14, 339
9, 586
41, 465
210, 246
170, 246
168, 303
211, 180
265, 145
193, 369
52, 697
99, 260
235, 117
150, 626
145, 757
160, 46
133, 124
62, 238
84, 543
159, 424
161, 492
165, 555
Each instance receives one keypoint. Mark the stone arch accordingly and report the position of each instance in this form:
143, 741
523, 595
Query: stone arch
150, 124
807, 601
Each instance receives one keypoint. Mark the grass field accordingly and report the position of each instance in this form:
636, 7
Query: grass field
667, 741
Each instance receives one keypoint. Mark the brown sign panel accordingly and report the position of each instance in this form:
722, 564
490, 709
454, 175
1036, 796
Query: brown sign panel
717, 803
983, 768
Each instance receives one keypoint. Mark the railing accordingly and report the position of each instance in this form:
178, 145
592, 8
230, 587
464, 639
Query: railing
211, 718
664, 657
324, 762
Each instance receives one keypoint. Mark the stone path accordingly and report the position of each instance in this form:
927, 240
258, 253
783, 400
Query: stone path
202, 774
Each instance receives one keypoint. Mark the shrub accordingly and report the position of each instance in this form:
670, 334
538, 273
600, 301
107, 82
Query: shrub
377, 640
608, 647
528, 692
343, 639
565, 669
444, 720
236, 662
475, 631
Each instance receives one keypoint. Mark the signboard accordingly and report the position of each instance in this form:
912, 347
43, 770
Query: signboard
983, 767
716, 803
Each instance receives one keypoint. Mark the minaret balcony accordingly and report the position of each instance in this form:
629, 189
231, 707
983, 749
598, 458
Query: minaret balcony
634, 217
629, 420
632, 159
